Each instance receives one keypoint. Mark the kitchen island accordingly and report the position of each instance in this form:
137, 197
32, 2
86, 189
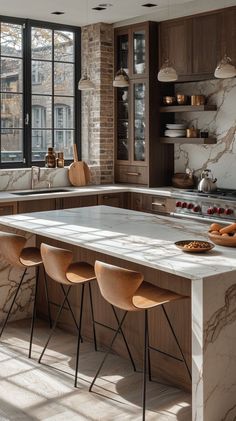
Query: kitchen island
146, 241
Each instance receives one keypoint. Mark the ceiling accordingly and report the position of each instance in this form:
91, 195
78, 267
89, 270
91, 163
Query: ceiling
80, 13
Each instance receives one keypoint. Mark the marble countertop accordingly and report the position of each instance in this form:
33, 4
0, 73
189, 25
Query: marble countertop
138, 237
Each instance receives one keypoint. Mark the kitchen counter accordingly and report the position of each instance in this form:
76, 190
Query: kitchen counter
148, 240
12, 196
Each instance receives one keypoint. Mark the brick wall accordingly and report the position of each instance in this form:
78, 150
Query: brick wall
97, 106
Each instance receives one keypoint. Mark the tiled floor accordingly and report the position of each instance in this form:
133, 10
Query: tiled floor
32, 391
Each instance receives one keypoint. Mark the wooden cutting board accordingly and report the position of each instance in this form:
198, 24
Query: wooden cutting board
76, 171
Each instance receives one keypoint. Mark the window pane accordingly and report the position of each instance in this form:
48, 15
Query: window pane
41, 112
63, 113
41, 140
11, 40
41, 43
41, 77
63, 79
11, 75
63, 141
63, 46
11, 111
11, 145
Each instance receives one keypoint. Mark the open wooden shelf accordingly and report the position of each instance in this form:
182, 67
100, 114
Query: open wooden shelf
184, 108
189, 140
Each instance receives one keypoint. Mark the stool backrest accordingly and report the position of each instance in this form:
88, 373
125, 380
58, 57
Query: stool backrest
56, 262
118, 285
11, 246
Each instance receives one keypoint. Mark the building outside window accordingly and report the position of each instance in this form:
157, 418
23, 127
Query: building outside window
39, 101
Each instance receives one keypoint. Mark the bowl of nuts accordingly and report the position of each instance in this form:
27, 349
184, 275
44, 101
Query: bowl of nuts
194, 246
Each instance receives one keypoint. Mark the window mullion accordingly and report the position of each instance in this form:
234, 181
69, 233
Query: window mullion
27, 92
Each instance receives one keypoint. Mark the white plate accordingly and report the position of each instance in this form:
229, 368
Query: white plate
175, 133
176, 126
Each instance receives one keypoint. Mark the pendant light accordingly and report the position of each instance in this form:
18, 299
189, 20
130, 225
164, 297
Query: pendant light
167, 72
85, 83
225, 69
121, 79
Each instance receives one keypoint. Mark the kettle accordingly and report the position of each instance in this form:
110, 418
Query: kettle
207, 183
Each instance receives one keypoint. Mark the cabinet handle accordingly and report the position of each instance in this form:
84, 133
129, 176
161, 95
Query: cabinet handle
159, 204
109, 197
133, 173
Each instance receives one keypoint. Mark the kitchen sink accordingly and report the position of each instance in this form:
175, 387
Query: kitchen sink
47, 191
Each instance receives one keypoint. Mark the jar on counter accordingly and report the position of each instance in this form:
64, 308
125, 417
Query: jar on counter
50, 158
60, 160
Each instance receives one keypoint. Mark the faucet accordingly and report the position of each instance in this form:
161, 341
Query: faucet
35, 175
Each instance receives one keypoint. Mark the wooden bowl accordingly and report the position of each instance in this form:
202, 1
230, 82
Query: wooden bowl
182, 181
220, 240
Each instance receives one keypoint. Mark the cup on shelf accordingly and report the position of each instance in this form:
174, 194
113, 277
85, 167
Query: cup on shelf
192, 132
198, 99
181, 99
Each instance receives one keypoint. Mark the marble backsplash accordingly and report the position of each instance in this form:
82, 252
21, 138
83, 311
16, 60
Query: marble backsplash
219, 157
20, 178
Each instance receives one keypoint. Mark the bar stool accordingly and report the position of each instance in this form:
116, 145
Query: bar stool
58, 265
128, 291
14, 252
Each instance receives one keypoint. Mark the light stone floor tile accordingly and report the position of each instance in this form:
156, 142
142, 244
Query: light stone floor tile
32, 391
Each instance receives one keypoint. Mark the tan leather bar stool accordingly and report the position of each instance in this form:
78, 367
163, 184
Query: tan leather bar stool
14, 252
128, 291
58, 265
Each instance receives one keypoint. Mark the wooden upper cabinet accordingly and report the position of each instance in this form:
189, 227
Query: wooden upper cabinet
175, 44
228, 34
206, 41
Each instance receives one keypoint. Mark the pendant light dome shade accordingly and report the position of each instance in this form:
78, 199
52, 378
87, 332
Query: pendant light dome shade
167, 73
225, 69
121, 79
85, 84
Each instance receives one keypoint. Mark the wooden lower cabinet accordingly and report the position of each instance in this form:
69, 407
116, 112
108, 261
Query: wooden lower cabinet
117, 200
8, 208
79, 201
153, 204
38, 205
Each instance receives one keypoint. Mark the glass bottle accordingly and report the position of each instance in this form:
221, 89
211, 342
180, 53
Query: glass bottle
60, 160
50, 158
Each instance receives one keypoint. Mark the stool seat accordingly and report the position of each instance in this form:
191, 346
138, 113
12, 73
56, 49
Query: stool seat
80, 272
149, 295
30, 256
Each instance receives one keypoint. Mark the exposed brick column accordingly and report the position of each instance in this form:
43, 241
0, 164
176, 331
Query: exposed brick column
97, 106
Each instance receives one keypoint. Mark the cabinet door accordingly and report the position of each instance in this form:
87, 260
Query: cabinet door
79, 201
139, 50
37, 205
175, 45
113, 199
206, 40
122, 124
8, 208
122, 50
228, 35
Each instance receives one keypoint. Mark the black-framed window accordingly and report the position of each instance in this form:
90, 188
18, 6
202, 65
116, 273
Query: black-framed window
39, 99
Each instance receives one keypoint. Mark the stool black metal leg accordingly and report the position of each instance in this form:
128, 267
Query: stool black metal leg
79, 334
47, 297
108, 351
149, 356
68, 303
13, 302
145, 347
54, 324
176, 340
125, 341
34, 310
92, 314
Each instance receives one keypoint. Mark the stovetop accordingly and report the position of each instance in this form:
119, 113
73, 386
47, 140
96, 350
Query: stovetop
228, 194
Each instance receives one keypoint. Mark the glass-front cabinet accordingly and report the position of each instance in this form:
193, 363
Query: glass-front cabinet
140, 158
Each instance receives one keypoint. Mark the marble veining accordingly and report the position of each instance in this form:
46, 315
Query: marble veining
223, 317
221, 157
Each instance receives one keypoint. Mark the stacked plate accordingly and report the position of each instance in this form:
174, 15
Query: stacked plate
175, 130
